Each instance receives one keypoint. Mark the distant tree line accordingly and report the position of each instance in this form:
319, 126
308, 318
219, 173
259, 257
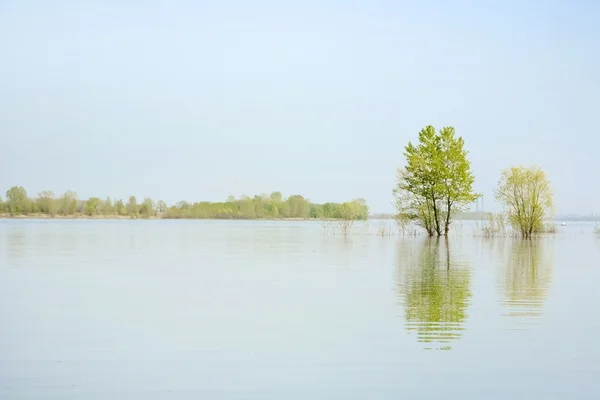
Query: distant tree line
272, 206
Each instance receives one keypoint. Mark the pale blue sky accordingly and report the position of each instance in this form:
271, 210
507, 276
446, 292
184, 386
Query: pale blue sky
198, 100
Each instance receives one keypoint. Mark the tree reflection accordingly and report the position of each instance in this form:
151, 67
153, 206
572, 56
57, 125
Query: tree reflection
526, 278
435, 291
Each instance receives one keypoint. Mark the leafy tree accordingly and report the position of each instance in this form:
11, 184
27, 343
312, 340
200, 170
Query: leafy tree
120, 208
47, 203
132, 206
161, 206
299, 207
16, 200
147, 207
276, 196
92, 206
108, 206
436, 182
67, 204
457, 177
259, 208
1, 205
527, 197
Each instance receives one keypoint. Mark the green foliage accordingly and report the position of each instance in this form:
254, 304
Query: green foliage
17, 201
132, 207
67, 204
93, 206
276, 197
120, 208
161, 206
259, 206
146, 209
1, 205
527, 198
47, 203
436, 182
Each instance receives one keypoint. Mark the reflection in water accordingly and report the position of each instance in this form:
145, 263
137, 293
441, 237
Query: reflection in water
434, 289
526, 278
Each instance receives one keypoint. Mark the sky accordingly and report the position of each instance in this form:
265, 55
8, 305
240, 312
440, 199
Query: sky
197, 100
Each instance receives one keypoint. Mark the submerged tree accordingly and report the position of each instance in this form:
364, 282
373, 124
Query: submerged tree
527, 197
436, 182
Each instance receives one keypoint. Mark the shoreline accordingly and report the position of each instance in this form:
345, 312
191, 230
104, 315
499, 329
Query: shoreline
155, 218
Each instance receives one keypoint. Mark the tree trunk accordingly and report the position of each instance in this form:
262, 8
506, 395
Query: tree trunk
438, 228
448, 209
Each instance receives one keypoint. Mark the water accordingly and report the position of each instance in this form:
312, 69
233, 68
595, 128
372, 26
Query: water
278, 310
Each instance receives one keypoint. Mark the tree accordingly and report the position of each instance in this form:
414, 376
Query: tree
299, 207
436, 182
120, 208
17, 201
147, 207
1, 205
92, 206
457, 177
161, 206
361, 209
132, 207
47, 202
276, 197
67, 204
108, 206
526, 194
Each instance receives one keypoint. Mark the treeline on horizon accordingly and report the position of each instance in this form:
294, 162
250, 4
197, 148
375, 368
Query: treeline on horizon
273, 206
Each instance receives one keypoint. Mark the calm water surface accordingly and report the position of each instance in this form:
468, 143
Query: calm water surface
279, 310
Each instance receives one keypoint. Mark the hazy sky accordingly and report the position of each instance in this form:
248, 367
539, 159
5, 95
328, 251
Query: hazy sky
192, 100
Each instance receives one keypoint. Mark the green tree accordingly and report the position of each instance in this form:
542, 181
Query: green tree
92, 206
161, 206
147, 207
259, 206
527, 197
17, 201
132, 206
436, 181
47, 203
120, 208
1, 205
67, 204
276, 197
108, 206
247, 210
299, 207
457, 177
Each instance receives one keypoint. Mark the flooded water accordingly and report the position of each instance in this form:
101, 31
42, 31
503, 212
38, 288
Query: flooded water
280, 310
